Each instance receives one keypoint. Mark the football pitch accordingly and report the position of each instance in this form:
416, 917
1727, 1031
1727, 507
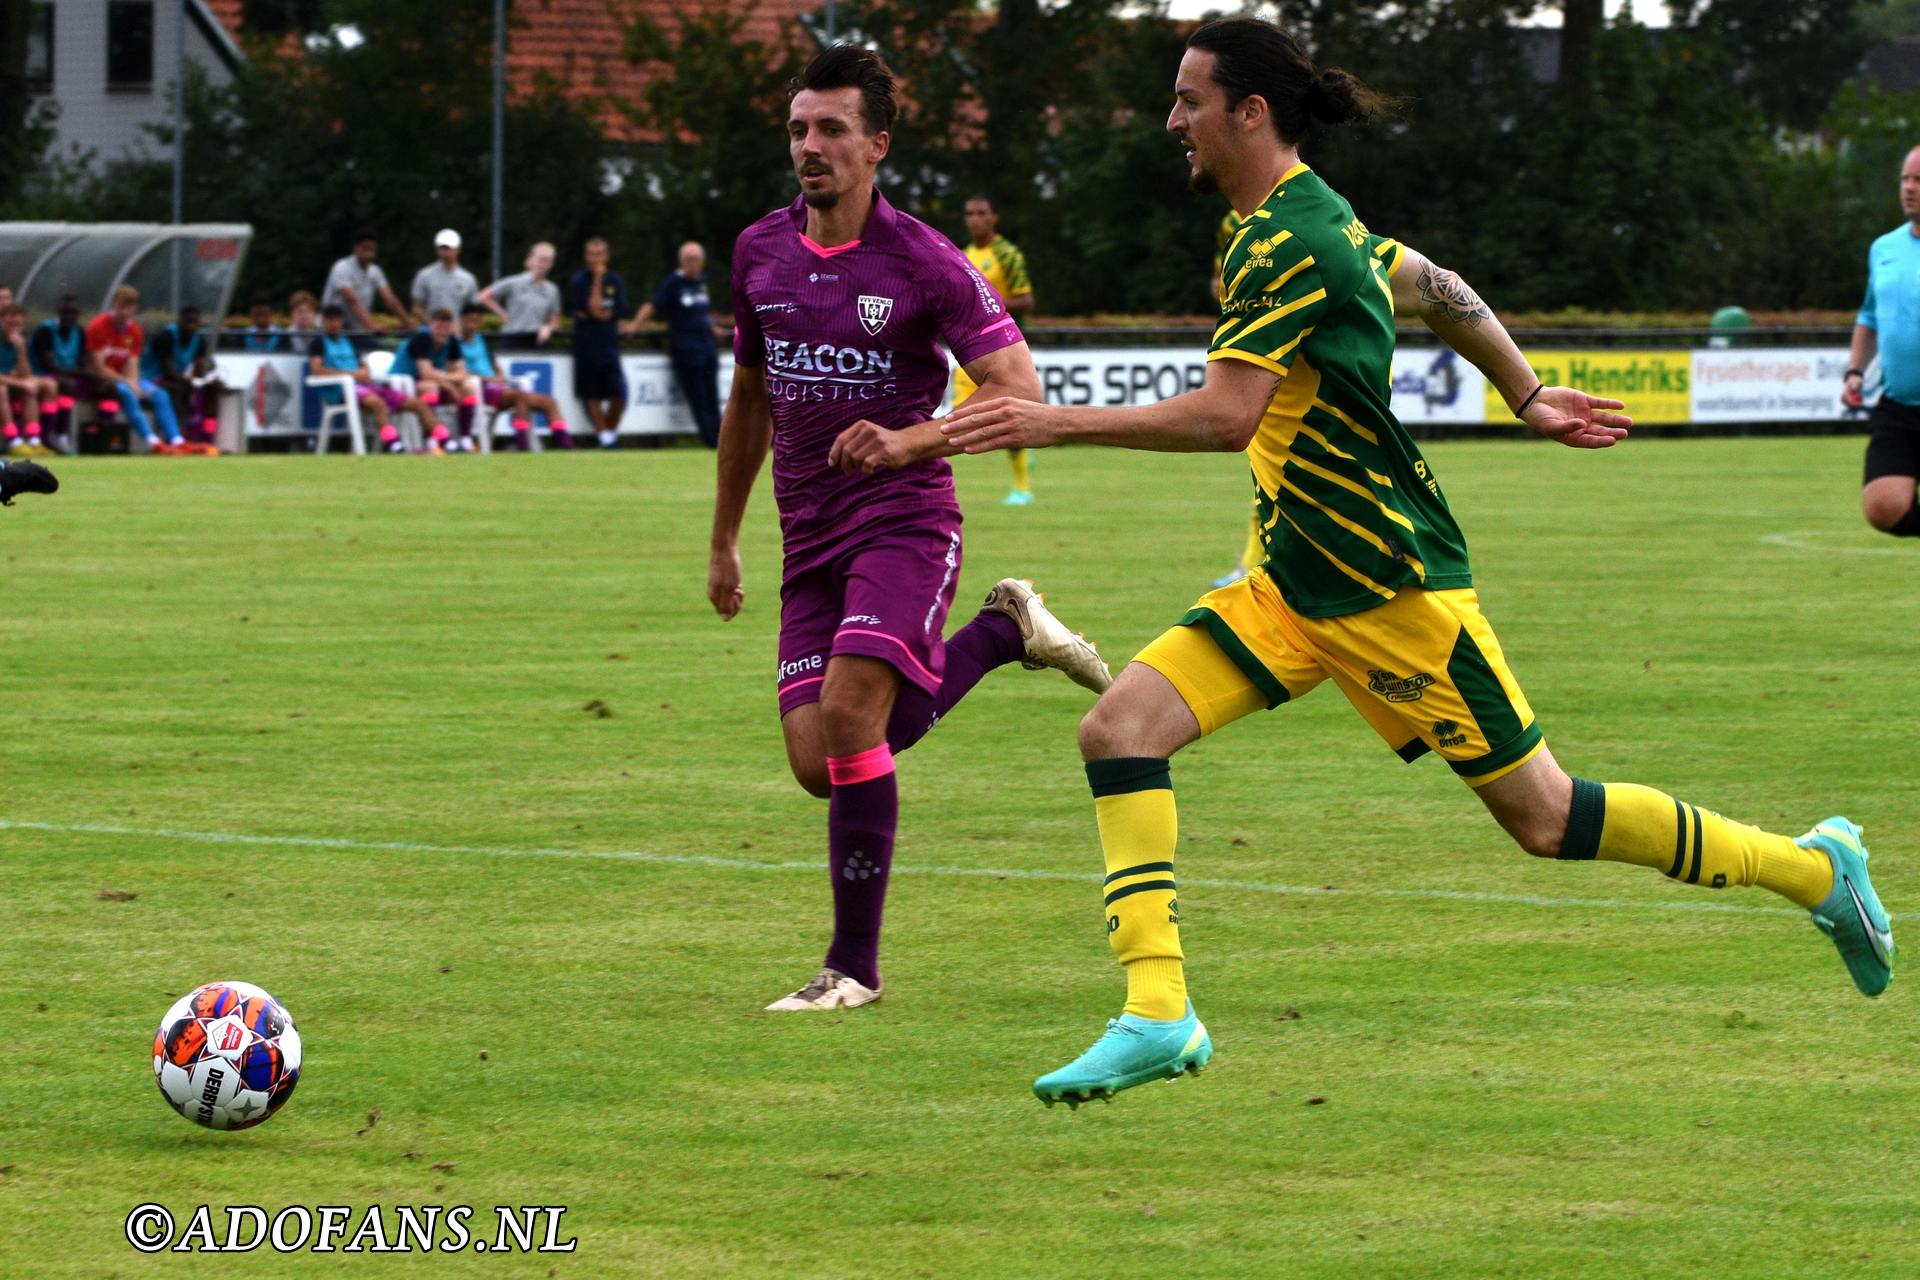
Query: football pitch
452, 757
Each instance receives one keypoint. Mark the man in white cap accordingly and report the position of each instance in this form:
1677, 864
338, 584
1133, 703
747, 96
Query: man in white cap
444, 285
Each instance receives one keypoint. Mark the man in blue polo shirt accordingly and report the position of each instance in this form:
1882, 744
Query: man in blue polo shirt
683, 303
597, 301
1889, 324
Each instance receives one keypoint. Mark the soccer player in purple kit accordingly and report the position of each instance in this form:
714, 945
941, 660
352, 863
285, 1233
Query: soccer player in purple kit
840, 303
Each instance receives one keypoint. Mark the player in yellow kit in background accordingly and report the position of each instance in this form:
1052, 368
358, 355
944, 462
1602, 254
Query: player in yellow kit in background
1000, 261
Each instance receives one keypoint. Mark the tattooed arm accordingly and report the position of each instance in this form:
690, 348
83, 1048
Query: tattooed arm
1455, 313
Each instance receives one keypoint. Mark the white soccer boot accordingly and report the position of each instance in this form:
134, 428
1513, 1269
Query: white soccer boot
829, 989
1045, 639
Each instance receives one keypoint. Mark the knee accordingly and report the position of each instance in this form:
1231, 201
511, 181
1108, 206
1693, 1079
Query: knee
812, 777
1107, 731
846, 722
1883, 515
1540, 838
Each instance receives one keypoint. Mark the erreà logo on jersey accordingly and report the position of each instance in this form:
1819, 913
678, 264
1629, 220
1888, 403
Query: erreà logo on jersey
874, 311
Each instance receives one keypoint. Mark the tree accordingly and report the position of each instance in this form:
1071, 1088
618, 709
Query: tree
391, 131
716, 107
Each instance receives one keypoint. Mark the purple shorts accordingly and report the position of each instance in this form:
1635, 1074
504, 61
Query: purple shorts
384, 394
885, 596
491, 394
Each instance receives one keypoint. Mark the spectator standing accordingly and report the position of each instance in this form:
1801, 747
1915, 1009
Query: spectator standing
114, 342
356, 282
528, 303
597, 301
444, 285
684, 303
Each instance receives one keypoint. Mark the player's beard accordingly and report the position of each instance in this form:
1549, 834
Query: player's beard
1201, 181
820, 199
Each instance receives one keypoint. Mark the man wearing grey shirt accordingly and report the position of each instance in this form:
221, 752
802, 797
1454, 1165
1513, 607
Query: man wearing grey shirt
356, 282
446, 285
527, 303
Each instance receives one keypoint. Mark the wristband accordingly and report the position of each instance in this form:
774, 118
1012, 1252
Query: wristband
1537, 389
1854, 373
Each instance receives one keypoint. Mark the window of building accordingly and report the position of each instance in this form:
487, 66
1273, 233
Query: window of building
40, 47
130, 44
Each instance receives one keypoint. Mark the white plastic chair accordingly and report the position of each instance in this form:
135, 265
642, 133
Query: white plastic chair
347, 411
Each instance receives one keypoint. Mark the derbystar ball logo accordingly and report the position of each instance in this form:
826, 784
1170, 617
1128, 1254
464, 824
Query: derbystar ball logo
874, 311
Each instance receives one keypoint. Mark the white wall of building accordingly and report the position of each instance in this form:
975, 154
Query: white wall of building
109, 121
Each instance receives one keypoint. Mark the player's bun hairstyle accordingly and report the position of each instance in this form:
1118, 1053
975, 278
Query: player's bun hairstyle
1252, 58
848, 66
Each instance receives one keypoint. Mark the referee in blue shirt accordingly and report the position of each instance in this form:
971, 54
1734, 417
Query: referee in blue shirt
683, 302
1889, 324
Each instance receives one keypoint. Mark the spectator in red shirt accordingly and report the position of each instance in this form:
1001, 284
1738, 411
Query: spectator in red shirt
113, 355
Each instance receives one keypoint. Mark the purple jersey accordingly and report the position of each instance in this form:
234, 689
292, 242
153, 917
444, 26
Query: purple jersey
848, 333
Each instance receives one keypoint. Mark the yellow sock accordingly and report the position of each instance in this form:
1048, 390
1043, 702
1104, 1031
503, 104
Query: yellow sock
1622, 822
1133, 801
1021, 472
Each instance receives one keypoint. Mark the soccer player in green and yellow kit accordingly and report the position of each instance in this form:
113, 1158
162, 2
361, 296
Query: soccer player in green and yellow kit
1002, 265
1365, 580
1255, 550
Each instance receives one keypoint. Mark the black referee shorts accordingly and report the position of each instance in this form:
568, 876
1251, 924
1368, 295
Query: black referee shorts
1893, 442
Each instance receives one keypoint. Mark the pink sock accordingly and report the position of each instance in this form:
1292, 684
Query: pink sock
64, 402
389, 433
521, 424
109, 406
429, 397
8, 430
210, 425
440, 433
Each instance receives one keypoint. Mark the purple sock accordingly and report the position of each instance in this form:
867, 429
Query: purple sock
861, 818
991, 640
464, 418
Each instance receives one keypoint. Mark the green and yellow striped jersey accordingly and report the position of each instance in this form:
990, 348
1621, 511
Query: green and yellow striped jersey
1348, 509
1004, 266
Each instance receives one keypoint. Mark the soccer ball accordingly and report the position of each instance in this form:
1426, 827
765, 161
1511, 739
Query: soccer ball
226, 1055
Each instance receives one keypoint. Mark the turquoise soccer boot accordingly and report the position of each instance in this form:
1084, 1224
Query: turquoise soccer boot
1134, 1051
1852, 915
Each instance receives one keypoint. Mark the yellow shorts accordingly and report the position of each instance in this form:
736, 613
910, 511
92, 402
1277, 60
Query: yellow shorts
1424, 670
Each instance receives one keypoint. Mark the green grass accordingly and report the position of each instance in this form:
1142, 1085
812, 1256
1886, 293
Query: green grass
400, 650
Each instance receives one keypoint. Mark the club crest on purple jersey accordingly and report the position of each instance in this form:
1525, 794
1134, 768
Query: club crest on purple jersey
874, 311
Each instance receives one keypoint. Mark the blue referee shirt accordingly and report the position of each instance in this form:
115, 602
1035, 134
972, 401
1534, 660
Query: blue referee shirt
1892, 310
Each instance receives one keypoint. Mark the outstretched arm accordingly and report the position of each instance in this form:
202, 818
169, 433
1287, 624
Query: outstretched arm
1219, 417
1455, 313
867, 446
746, 433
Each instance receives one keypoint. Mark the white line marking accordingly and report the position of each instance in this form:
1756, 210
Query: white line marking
975, 873
1798, 540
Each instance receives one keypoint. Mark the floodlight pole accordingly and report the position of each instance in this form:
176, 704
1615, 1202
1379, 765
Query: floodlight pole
179, 141
499, 126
